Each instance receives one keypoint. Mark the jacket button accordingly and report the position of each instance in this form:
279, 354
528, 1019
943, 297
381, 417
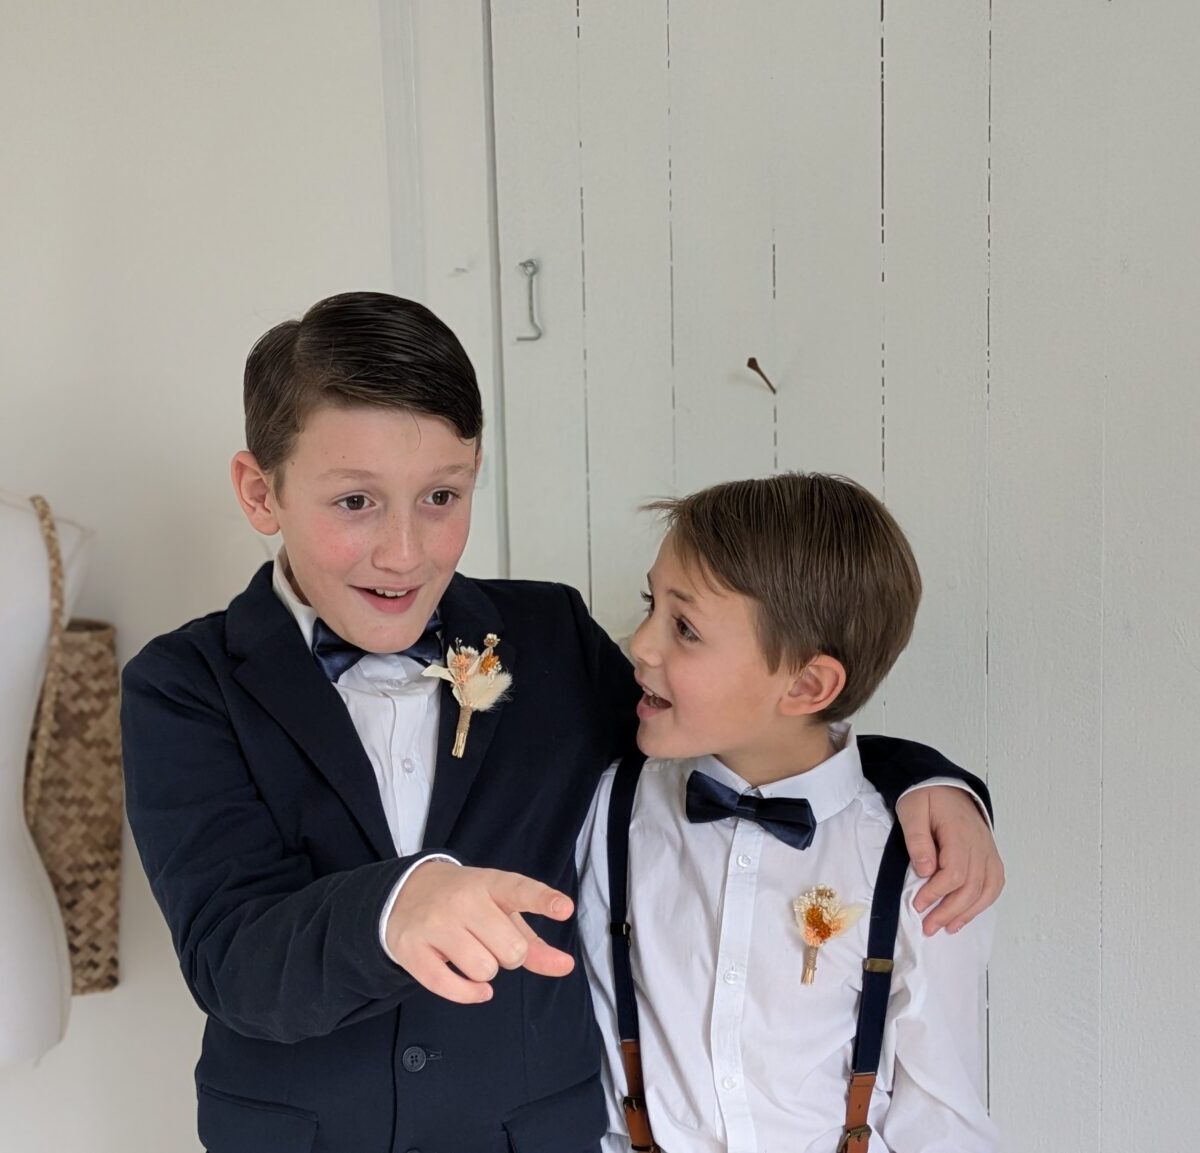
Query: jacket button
413, 1058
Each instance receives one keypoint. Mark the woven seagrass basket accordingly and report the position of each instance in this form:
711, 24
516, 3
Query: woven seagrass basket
73, 788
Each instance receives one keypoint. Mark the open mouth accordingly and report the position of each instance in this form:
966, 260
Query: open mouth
651, 703
388, 600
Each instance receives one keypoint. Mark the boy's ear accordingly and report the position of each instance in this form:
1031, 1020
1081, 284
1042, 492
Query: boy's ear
254, 492
815, 687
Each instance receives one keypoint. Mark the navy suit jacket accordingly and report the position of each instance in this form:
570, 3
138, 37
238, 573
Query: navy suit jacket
258, 819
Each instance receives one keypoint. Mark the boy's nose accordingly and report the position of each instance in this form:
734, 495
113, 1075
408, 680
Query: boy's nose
640, 646
398, 548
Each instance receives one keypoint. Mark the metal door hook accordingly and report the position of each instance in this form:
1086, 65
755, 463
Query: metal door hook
530, 268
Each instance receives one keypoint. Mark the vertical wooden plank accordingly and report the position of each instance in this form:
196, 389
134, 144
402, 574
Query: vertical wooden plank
452, 102
935, 341
1151, 488
1045, 437
721, 217
536, 87
826, 337
624, 96
825, 119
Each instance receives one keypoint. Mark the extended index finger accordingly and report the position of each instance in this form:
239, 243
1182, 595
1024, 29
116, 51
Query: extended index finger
543, 958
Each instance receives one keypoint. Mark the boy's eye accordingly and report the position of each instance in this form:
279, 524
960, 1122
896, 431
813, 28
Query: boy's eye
685, 630
441, 497
648, 601
355, 503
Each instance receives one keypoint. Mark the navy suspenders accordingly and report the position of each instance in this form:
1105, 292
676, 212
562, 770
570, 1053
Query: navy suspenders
877, 971
620, 810
876, 988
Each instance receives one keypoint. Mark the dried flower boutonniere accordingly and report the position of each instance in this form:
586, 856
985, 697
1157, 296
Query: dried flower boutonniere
821, 917
479, 682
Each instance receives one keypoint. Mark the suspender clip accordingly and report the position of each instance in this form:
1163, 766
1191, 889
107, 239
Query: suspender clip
877, 965
620, 929
858, 1133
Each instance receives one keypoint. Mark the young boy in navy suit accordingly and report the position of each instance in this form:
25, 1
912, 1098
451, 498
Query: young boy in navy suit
347, 895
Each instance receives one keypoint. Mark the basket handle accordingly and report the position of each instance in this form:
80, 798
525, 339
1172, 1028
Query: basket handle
50, 685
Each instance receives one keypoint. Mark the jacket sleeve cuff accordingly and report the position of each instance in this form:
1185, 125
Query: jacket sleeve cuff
952, 782
391, 901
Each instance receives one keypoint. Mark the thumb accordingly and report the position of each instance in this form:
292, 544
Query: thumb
517, 894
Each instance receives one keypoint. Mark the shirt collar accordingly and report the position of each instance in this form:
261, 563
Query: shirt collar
828, 787
304, 615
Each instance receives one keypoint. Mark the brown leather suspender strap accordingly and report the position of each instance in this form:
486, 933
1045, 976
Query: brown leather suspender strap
857, 1134
637, 1120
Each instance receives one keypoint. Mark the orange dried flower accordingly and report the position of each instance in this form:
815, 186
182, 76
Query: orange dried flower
479, 682
820, 916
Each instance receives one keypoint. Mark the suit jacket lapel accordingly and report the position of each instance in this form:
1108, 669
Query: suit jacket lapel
468, 615
281, 675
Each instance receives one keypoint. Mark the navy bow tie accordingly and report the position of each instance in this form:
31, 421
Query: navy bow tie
791, 820
335, 655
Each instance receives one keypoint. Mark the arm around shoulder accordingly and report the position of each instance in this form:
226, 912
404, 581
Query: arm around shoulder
895, 766
945, 830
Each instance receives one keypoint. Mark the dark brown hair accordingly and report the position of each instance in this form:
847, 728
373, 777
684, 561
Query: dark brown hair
826, 564
358, 348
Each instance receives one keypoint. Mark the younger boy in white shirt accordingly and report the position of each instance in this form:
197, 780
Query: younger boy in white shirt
775, 609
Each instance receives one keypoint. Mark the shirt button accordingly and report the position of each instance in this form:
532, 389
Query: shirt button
731, 977
744, 860
408, 765
413, 1058
729, 1082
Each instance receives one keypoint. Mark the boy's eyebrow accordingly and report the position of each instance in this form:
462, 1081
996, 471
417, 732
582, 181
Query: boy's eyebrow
367, 474
457, 470
681, 596
347, 474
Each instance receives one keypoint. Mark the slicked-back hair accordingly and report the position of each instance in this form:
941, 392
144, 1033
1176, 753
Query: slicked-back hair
357, 348
828, 567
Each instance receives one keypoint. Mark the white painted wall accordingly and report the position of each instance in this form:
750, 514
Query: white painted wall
960, 238
176, 179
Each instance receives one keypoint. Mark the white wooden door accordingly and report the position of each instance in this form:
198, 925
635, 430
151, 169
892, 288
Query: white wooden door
957, 236
705, 183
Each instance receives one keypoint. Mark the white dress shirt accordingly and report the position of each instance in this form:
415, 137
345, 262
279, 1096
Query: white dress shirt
739, 1055
395, 711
